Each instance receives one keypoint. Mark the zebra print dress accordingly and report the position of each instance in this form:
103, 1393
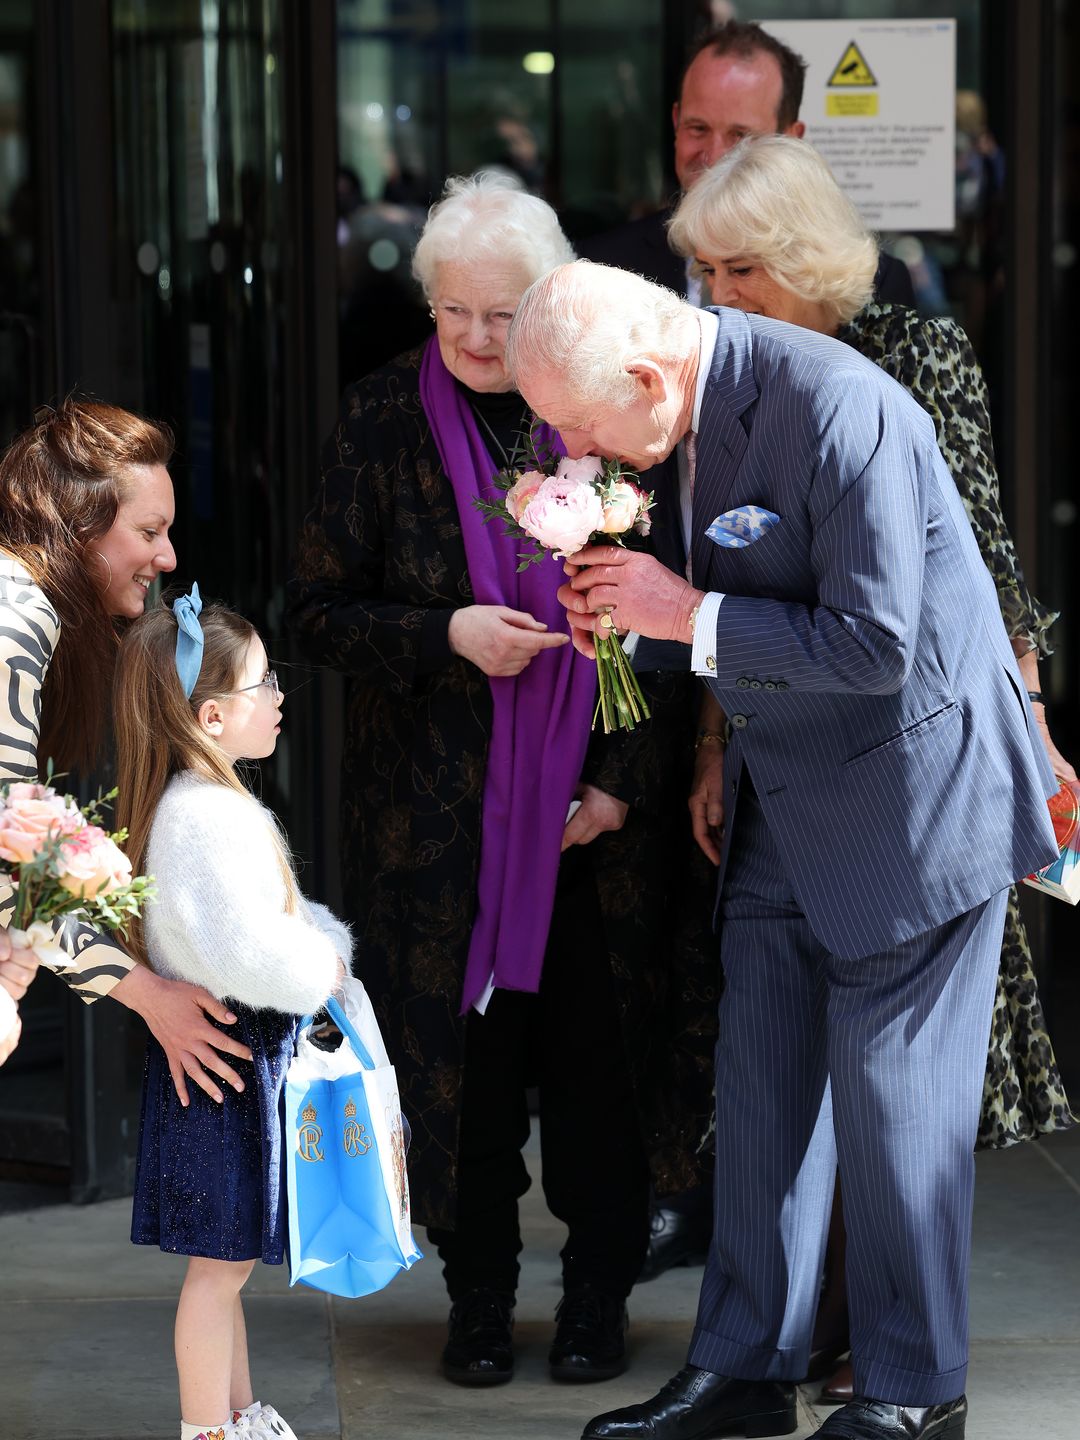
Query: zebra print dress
29, 631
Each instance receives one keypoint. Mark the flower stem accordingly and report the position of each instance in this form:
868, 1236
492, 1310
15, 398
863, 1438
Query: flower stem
621, 704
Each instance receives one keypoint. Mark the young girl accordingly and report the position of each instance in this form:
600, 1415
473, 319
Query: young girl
194, 696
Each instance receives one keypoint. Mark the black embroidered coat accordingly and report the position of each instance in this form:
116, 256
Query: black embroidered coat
381, 570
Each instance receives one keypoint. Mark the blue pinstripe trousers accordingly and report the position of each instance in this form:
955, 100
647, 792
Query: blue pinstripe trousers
873, 1064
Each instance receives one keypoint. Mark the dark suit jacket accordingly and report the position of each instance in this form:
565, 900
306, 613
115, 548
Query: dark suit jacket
859, 652
642, 247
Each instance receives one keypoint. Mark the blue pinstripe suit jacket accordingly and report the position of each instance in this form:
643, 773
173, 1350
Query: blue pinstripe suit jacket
860, 653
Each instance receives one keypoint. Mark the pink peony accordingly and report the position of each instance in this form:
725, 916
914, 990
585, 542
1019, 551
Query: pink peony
563, 514
91, 864
29, 790
522, 491
621, 508
588, 468
29, 815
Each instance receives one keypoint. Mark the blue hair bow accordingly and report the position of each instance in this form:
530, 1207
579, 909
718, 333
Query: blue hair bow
189, 639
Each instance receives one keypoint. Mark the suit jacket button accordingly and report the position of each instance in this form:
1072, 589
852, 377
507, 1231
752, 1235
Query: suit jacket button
770, 684
742, 682
755, 684
739, 722
782, 685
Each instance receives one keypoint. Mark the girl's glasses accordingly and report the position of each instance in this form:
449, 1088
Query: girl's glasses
270, 680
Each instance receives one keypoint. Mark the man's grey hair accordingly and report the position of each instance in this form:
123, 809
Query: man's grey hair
773, 200
586, 323
487, 217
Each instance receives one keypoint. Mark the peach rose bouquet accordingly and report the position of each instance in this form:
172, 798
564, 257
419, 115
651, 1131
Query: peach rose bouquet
60, 860
562, 505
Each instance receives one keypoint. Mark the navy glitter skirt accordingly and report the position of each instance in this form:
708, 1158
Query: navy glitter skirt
209, 1179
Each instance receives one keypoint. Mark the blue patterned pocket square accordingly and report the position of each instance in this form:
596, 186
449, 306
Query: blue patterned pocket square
735, 529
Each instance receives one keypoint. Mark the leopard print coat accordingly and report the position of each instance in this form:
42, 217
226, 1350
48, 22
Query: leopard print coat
1023, 1094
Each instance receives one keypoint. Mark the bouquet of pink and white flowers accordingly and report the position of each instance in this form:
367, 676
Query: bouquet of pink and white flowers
564, 505
60, 860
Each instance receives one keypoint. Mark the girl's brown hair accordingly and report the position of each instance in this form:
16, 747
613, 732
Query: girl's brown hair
158, 734
61, 484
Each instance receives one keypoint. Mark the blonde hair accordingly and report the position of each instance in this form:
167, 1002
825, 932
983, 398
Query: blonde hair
484, 217
61, 484
773, 200
157, 730
586, 323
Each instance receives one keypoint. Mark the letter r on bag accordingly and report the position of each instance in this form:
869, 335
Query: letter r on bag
307, 1142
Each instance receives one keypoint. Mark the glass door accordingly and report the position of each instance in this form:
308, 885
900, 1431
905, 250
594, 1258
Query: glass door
34, 1134
565, 99
177, 241
199, 182
20, 250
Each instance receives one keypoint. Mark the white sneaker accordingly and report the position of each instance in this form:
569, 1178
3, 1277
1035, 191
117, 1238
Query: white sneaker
268, 1425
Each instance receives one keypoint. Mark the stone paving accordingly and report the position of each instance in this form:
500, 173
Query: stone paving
86, 1322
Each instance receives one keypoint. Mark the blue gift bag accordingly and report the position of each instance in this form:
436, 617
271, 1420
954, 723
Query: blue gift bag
349, 1227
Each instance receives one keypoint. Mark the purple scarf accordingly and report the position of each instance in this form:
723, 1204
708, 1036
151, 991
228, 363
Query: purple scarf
541, 719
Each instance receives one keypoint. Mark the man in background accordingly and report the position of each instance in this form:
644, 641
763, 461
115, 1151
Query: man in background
739, 80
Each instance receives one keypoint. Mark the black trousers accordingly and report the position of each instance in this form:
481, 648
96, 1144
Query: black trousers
567, 1040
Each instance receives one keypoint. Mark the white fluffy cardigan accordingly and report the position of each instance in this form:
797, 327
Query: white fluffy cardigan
219, 916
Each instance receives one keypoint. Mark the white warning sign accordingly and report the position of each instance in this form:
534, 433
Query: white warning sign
880, 105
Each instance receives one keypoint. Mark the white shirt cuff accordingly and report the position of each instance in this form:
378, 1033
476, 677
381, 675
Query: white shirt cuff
703, 658
483, 1000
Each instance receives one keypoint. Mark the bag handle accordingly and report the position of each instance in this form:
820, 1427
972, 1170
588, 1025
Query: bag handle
337, 1013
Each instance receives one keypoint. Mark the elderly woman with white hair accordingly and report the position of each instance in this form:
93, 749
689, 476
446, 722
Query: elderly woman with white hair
773, 234
504, 942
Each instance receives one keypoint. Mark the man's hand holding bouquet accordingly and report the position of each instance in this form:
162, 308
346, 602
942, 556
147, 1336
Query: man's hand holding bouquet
563, 505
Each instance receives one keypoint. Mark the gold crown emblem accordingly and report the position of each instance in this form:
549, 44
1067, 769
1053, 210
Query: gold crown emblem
350, 1108
309, 1112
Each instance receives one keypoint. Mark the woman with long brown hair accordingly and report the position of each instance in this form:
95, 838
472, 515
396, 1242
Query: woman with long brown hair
86, 503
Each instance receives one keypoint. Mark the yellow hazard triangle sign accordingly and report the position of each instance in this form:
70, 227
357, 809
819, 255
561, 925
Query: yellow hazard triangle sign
852, 69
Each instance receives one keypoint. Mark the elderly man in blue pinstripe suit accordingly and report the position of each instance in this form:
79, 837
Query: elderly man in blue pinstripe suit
884, 786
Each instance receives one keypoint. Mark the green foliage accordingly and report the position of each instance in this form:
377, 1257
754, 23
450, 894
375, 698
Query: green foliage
39, 893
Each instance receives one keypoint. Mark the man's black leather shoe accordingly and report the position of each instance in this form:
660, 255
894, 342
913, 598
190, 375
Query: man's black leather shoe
479, 1350
698, 1405
675, 1239
875, 1420
590, 1338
